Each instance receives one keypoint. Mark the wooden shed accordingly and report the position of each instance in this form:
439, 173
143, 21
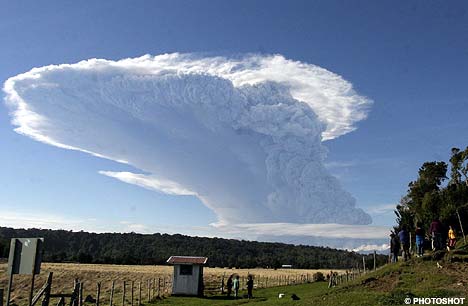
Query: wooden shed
188, 275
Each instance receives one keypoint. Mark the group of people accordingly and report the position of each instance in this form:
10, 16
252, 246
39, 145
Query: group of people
401, 241
233, 285
437, 232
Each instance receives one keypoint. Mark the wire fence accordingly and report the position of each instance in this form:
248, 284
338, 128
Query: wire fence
138, 292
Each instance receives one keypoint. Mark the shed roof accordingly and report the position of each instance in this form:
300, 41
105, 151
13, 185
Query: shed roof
192, 260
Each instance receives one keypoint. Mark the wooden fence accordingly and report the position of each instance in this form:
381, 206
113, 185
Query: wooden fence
133, 293
217, 284
120, 293
137, 293
336, 279
340, 279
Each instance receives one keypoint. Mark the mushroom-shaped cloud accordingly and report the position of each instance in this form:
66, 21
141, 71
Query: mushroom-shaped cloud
245, 135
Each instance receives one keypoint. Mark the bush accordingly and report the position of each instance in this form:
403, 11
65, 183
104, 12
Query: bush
318, 277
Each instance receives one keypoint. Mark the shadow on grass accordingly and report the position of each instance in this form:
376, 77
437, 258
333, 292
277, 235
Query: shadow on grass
230, 298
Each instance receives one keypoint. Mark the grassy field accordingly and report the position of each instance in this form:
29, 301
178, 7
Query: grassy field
387, 286
64, 275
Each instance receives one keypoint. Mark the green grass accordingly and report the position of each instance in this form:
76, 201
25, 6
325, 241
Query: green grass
389, 285
309, 294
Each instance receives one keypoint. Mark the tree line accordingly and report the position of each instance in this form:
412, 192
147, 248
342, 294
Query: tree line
147, 249
435, 194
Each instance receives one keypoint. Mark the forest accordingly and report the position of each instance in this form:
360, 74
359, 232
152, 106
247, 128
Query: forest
136, 249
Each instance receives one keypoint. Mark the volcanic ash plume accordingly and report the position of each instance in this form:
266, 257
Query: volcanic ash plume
243, 135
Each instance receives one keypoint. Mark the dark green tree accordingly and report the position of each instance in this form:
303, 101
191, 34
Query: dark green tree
429, 198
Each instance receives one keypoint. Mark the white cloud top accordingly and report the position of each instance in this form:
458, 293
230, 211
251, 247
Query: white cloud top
244, 135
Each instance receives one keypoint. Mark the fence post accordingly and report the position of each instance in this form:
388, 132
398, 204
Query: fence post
139, 293
81, 294
31, 292
46, 298
461, 226
74, 301
149, 291
112, 293
132, 292
123, 293
159, 287
222, 285
98, 293
375, 267
363, 264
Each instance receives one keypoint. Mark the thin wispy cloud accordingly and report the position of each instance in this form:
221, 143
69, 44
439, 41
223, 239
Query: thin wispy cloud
382, 209
340, 164
17, 219
308, 230
149, 182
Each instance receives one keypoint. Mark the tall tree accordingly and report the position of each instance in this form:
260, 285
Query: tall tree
456, 161
428, 198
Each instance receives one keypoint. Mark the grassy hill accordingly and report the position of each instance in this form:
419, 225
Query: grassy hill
389, 285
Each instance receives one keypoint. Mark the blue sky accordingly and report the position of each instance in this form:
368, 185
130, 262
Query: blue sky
409, 57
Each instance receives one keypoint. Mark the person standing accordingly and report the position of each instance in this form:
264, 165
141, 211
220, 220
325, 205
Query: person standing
235, 286
250, 284
419, 240
229, 286
394, 247
404, 240
452, 239
436, 233
332, 280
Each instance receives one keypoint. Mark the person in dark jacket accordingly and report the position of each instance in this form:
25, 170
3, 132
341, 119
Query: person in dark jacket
405, 243
394, 247
436, 230
250, 284
229, 286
